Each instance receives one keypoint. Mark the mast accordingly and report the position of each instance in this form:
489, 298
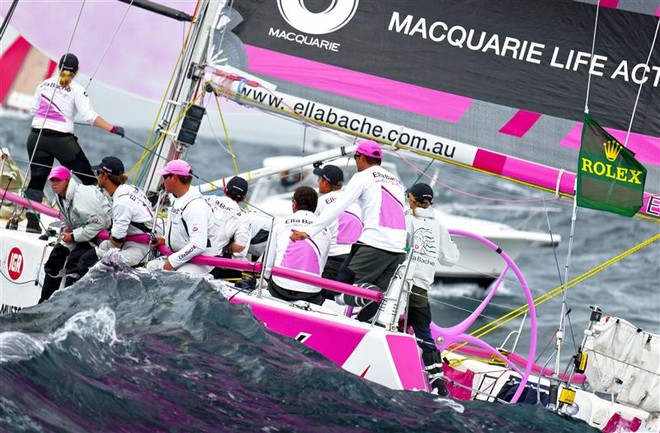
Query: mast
169, 142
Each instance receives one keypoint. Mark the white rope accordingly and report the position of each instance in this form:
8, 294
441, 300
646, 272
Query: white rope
593, 46
639, 91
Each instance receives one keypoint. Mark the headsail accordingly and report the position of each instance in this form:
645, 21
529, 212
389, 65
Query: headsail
114, 41
511, 79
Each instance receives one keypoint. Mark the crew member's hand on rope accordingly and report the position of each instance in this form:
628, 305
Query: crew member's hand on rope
118, 130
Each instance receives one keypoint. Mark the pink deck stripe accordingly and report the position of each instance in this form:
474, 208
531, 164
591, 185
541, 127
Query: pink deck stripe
612, 4
520, 123
323, 335
11, 62
406, 360
646, 148
651, 205
357, 85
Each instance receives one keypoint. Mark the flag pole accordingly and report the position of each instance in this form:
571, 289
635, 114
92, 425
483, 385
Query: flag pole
564, 308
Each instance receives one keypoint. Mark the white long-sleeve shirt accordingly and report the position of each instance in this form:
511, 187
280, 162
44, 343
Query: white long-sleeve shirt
380, 196
190, 229
55, 107
344, 231
431, 245
232, 222
129, 204
308, 256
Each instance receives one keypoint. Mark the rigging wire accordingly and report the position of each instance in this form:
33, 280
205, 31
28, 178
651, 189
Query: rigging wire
50, 103
639, 91
226, 131
593, 47
137, 168
489, 327
218, 140
5, 22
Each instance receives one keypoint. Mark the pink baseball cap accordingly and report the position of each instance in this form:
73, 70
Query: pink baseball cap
176, 166
60, 173
369, 148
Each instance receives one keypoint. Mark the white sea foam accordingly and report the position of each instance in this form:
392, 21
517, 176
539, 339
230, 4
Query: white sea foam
98, 324
17, 346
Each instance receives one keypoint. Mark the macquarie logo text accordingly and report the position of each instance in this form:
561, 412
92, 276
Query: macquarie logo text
336, 16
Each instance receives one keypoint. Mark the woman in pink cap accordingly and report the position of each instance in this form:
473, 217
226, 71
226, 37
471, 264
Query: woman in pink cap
85, 212
57, 101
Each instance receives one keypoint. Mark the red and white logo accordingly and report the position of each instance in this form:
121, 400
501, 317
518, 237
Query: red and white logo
15, 263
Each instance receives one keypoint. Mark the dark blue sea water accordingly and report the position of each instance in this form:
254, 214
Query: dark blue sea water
130, 352
123, 351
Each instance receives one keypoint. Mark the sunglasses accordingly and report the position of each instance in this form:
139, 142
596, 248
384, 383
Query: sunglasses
167, 176
357, 155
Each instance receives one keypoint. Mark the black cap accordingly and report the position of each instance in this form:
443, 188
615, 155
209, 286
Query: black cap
110, 165
69, 62
237, 185
331, 173
421, 192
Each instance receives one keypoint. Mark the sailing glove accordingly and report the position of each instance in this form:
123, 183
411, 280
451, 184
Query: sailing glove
117, 130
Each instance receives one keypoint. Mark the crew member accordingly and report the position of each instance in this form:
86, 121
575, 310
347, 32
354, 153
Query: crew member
56, 103
380, 248
346, 230
190, 229
131, 213
85, 212
307, 257
431, 245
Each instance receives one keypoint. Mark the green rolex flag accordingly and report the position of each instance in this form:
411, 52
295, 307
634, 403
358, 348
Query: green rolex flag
609, 177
